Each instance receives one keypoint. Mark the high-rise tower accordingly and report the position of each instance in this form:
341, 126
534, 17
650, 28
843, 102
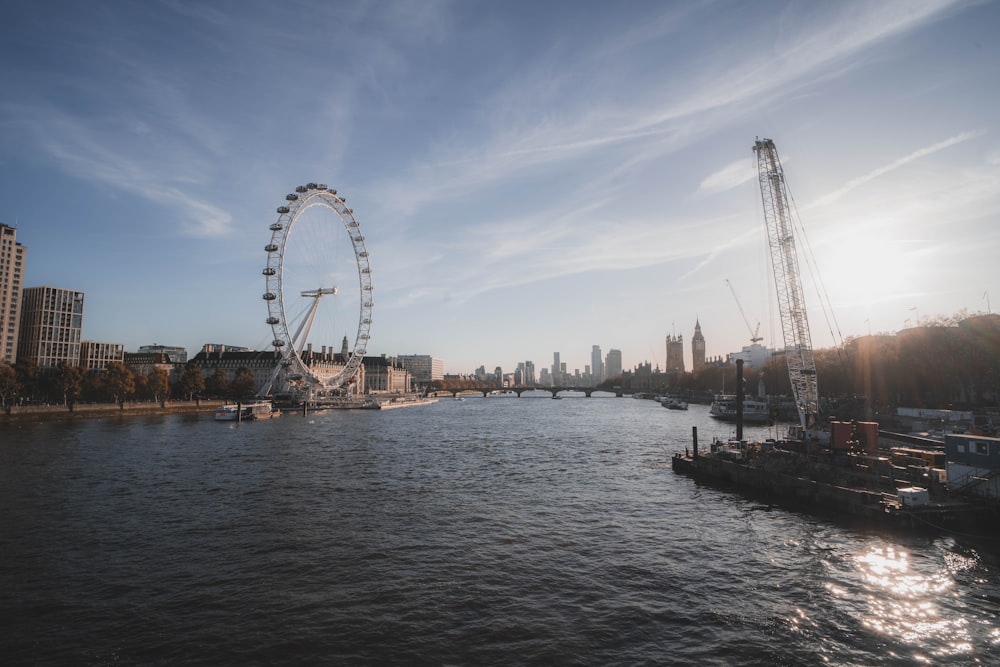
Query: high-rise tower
697, 348
596, 364
12, 256
613, 364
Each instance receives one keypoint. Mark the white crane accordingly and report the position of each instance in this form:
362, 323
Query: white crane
787, 282
754, 332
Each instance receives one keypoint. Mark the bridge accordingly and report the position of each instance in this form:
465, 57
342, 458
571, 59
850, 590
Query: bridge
486, 391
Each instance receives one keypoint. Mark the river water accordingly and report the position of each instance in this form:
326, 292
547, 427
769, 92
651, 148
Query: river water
489, 531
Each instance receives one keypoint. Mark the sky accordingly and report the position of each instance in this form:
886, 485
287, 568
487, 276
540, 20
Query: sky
530, 177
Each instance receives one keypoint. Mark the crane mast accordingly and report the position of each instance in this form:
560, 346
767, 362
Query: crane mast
787, 282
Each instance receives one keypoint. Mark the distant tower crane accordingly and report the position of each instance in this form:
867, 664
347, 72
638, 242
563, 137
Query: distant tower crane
754, 337
787, 282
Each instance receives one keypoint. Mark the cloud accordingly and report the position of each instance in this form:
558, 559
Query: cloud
728, 178
892, 166
569, 124
88, 154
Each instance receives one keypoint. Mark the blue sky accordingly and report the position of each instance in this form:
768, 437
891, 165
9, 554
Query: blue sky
530, 176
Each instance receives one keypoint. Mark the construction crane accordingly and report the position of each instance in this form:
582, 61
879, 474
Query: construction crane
787, 282
754, 337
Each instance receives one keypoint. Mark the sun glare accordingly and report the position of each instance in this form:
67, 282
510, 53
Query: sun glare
867, 265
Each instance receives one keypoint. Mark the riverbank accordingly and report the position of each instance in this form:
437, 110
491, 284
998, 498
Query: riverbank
99, 410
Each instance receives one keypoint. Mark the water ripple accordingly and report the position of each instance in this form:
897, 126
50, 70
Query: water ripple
487, 531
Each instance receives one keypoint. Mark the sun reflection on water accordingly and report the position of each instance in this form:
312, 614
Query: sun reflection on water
904, 604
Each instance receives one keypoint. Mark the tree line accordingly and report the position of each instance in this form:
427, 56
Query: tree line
25, 384
946, 364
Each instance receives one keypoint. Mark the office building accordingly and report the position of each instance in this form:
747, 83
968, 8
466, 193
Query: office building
95, 356
613, 364
51, 326
596, 364
423, 368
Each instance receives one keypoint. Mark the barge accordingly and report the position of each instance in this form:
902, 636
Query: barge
856, 487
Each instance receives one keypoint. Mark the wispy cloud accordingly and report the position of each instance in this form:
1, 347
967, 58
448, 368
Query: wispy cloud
892, 166
571, 125
89, 155
727, 178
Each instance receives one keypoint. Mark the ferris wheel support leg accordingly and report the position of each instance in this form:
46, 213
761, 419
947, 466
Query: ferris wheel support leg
265, 389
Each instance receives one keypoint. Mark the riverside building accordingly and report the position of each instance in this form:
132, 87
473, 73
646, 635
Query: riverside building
423, 368
51, 326
95, 356
12, 255
675, 353
178, 355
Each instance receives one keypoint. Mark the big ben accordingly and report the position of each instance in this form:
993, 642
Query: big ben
697, 348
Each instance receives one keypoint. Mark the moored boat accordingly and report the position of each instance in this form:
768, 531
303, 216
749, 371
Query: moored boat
754, 412
245, 412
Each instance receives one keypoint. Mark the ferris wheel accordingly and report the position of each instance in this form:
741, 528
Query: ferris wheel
307, 266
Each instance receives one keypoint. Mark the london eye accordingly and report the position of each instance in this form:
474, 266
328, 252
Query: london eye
318, 287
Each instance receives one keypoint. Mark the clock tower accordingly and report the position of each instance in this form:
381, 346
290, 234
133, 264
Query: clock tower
697, 348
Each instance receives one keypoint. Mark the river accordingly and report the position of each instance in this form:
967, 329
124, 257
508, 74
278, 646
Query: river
488, 531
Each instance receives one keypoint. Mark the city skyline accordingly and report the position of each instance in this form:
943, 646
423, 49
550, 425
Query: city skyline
525, 183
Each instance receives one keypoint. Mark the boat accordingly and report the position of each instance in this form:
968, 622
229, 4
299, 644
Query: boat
245, 412
724, 407
673, 403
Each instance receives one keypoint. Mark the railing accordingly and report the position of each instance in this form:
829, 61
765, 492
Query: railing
972, 481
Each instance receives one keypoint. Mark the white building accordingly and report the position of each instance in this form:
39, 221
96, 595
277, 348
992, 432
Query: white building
755, 355
423, 368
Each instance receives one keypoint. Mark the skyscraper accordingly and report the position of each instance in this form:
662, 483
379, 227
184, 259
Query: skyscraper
613, 364
12, 256
556, 370
596, 364
51, 326
697, 348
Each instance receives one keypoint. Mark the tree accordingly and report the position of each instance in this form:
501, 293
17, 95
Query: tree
119, 381
69, 383
218, 383
158, 385
192, 382
9, 386
27, 377
243, 383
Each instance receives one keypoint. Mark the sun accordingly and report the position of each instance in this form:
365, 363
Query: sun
868, 263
